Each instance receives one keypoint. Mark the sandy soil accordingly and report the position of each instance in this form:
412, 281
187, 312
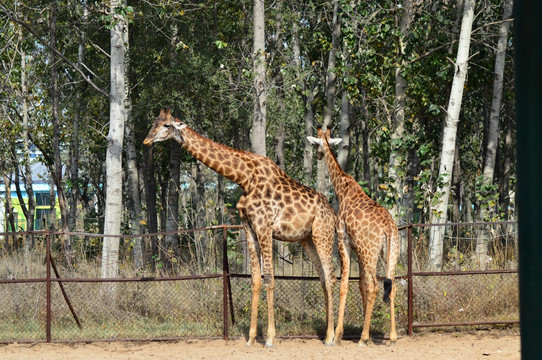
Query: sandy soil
433, 346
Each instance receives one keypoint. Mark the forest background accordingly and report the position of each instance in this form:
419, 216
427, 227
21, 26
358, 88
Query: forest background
81, 82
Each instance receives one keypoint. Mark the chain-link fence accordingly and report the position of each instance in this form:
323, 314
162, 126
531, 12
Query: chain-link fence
181, 285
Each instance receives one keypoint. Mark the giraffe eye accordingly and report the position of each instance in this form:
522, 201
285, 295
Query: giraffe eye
167, 126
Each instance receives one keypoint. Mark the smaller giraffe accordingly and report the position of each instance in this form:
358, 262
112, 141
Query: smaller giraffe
369, 228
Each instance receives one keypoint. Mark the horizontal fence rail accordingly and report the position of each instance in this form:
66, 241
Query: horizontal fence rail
196, 284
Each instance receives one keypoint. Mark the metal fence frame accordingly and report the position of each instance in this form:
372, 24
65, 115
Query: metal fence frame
228, 313
411, 275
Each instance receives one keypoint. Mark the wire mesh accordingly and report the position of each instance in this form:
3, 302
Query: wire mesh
127, 310
466, 298
178, 292
22, 312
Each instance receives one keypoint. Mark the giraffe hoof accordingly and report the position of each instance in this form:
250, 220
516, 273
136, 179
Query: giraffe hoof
329, 343
269, 345
364, 343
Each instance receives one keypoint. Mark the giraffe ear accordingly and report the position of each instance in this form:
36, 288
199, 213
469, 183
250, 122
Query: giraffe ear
179, 125
315, 141
335, 141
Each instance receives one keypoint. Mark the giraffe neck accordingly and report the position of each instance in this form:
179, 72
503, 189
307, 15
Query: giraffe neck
234, 164
336, 174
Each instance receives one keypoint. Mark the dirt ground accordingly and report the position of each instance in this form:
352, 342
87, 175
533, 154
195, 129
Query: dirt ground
434, 346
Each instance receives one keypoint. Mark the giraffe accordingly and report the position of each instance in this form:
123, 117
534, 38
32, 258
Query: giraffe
273, 205
366, 227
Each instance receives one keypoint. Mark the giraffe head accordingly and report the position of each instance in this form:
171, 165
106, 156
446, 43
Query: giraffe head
165, 127
323, 135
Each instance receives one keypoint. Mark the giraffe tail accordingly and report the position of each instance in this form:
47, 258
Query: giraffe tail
388, 283
387, 289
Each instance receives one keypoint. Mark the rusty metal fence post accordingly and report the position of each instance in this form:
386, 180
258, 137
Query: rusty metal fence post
410, 282
48, 287
225, 280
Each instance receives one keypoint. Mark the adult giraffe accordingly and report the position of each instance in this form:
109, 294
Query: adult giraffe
370, 228
273, 205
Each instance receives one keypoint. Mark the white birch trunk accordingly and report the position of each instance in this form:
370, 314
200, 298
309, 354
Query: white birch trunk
439, 212
344, 132
113, 162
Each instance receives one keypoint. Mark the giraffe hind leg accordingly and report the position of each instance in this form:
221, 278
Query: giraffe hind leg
371, 290
344, 254
327, 280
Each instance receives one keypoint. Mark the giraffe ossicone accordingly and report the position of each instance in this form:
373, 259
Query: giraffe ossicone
320, 142
273, 206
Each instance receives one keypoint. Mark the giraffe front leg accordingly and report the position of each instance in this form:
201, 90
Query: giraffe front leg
256, 287
271, 332
269, 283
256, 275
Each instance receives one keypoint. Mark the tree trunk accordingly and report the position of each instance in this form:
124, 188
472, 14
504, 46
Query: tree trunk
309, 131
322, 176
258, 132
307, 94
9, 208
75, 222
494, 116
488, 171
439, 212
508, 163
132, 175
365, 138
150, 198
344, 132
57, 170
455, 28
456, 184
220, 204
172, 205
398, 117
197, 192
74, 176
280, 139
29, 208
117, 115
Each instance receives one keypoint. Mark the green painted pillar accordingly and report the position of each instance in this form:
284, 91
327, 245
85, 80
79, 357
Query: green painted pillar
527, 37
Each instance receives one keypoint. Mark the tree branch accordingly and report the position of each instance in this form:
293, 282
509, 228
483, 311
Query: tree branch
11, 16
433, 50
